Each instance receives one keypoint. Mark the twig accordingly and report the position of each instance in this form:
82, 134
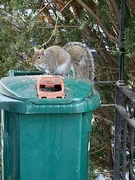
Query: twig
56, 24
98, 149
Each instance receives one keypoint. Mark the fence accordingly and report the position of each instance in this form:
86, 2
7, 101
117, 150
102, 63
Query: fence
124, 133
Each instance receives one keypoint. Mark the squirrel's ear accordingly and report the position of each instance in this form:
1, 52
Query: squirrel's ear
42, 51
35, 49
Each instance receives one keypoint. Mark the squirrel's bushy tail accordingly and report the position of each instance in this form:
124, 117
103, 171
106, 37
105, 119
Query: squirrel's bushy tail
81, 52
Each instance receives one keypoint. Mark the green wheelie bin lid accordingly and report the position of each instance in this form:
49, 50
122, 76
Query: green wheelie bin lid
21, 91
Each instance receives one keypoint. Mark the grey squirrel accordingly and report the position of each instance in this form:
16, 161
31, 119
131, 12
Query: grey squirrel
74, 56
53, 60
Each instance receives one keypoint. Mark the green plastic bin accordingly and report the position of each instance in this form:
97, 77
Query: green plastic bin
46, 139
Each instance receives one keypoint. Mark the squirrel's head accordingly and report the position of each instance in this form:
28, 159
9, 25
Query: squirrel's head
38, 54
43, 60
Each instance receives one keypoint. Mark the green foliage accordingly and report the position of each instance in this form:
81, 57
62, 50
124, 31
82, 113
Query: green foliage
130, 39
18, 26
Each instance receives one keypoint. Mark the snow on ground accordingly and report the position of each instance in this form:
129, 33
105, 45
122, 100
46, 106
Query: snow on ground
102, 177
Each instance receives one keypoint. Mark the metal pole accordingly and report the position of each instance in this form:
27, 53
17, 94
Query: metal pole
122, 28
117, 137
118, 100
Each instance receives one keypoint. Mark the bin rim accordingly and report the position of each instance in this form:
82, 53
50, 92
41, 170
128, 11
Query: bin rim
25, 107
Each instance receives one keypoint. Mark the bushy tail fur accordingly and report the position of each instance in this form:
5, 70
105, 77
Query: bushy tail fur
82, 59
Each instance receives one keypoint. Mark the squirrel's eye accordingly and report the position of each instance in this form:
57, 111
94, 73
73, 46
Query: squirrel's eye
38, 57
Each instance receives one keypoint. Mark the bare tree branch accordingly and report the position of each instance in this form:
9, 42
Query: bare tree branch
112, 38
131, 5
114, 18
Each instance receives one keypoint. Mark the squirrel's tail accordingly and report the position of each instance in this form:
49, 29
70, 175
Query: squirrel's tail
69, 48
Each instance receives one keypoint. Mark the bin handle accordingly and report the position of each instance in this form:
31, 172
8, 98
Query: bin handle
50, 87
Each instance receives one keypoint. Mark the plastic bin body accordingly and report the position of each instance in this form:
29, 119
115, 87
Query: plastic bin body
45, 139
